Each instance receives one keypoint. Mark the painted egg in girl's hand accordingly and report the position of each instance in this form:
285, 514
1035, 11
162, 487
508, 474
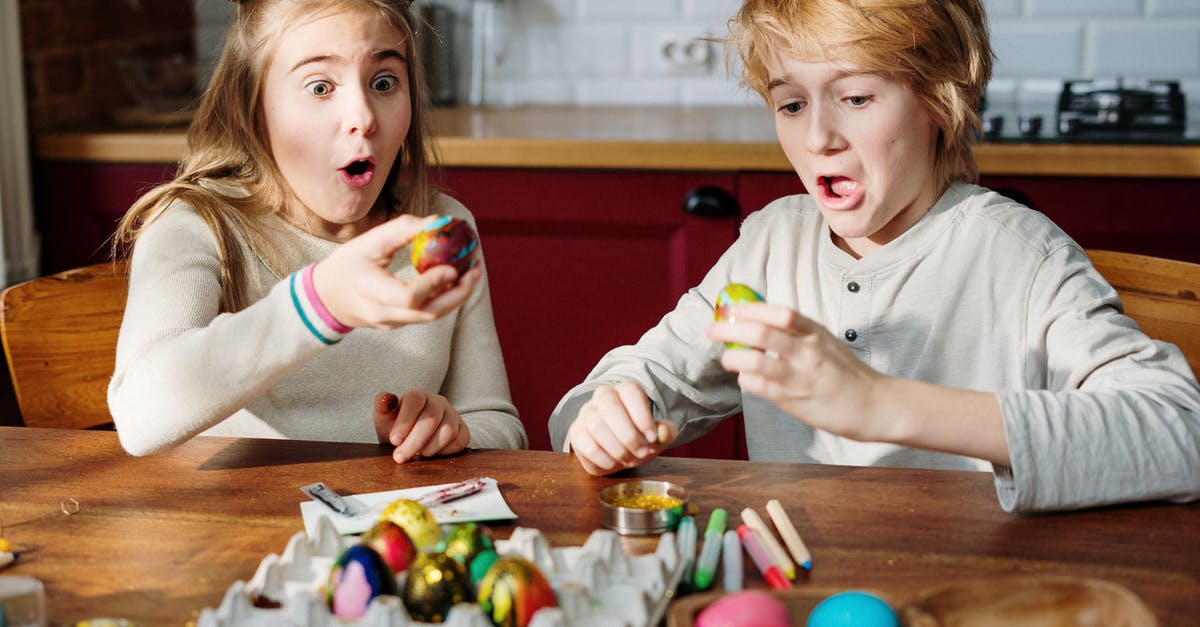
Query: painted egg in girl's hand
730, 295
445, 241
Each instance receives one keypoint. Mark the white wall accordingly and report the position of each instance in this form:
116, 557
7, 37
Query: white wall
611, 51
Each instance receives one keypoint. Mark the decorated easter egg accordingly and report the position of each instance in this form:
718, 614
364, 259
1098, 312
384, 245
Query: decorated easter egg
745, 607
480, 565
392, 543
463, 542
358, 575
415, 520
853, 609
513, 590
730, 294
447, 240
435, 583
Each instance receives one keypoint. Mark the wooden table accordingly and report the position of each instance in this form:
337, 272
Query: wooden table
157, 539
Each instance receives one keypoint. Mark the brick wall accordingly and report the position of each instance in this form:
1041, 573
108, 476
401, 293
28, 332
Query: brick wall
71, 48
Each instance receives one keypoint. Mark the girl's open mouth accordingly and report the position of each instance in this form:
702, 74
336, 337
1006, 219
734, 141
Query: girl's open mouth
358, 173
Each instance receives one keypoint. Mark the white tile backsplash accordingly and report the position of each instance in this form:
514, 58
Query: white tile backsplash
608, 51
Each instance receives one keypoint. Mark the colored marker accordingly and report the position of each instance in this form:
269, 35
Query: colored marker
761, 560
707, 567
731, 561
686, 534
794, 544
774, 549
453, 492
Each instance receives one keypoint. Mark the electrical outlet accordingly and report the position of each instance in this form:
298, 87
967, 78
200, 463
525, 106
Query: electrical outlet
672, 53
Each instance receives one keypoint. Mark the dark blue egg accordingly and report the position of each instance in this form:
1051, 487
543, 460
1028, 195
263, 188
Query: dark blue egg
359, 575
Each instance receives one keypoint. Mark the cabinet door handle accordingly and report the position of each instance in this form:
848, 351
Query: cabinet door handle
710, 201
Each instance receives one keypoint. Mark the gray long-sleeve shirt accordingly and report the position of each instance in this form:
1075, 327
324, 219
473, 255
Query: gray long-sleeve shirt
981, 294
183, 368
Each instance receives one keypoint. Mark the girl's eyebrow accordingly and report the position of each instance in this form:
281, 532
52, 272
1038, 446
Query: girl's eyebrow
378, 55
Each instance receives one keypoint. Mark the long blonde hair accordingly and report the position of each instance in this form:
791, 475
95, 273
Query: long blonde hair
227, 141
939, 48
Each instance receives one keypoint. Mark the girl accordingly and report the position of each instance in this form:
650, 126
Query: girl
911, 318
288, 226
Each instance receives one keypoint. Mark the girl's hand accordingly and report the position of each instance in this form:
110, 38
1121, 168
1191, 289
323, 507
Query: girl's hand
615, 430
357, 289
419, 424
800, 366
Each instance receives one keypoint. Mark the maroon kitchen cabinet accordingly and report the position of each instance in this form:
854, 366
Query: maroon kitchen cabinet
1159, 217
581, 262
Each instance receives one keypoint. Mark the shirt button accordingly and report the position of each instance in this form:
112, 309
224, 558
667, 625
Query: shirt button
851, 335
853, 287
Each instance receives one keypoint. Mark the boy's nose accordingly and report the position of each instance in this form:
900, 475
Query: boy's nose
823, 135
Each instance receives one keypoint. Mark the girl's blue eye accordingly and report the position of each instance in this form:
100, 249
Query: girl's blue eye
858, 101
385, 84
319, 88
792, 107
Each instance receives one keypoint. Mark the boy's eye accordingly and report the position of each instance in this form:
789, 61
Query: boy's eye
385, 83
319, 88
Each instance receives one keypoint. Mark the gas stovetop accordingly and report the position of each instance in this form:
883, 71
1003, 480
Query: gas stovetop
1090, 111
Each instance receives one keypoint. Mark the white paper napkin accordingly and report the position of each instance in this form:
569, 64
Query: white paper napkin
487, 504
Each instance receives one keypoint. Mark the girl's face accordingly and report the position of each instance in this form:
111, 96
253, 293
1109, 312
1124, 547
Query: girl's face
862, 144
337, 106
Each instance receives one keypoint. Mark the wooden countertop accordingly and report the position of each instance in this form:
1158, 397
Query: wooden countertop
155, 539
646, 138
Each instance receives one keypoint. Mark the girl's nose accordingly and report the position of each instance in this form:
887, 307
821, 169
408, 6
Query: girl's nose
360, 114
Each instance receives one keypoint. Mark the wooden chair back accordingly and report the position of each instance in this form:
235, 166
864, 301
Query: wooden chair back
1161, 295
60, 339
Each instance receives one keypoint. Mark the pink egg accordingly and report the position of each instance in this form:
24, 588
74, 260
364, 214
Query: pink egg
746, 607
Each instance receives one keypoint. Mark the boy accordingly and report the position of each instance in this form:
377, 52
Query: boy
911, 318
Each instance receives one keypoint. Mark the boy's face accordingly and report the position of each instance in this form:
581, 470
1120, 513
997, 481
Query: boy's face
337, 107
862, 144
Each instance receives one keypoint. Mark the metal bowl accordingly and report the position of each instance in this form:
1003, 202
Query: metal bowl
642, 507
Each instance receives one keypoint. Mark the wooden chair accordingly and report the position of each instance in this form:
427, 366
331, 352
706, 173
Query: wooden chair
1161, 295
60, 338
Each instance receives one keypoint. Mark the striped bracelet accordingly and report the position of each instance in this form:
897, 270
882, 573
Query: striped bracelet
308, 314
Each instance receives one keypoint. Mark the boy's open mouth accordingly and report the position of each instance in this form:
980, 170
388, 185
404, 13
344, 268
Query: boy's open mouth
838, 186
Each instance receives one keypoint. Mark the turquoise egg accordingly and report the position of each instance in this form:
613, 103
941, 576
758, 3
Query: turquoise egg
853, 609
464, 541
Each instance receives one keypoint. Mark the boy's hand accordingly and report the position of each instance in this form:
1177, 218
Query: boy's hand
615, 430
419, 424
797, 364
357, 289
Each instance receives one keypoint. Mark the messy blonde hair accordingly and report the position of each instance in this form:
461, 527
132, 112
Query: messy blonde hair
938, 48
227, 141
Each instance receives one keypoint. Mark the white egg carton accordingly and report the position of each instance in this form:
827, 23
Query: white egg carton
596, 585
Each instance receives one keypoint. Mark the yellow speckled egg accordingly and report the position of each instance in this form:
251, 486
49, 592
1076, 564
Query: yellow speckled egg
513, 590
435, 583
415, 520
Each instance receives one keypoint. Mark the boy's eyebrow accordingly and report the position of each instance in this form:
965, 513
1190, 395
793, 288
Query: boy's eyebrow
378, 55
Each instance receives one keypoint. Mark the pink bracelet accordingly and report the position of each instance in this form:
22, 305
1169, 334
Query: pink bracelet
319, 306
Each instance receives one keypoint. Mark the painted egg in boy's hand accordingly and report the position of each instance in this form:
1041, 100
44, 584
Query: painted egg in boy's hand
446, 241
731, 294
